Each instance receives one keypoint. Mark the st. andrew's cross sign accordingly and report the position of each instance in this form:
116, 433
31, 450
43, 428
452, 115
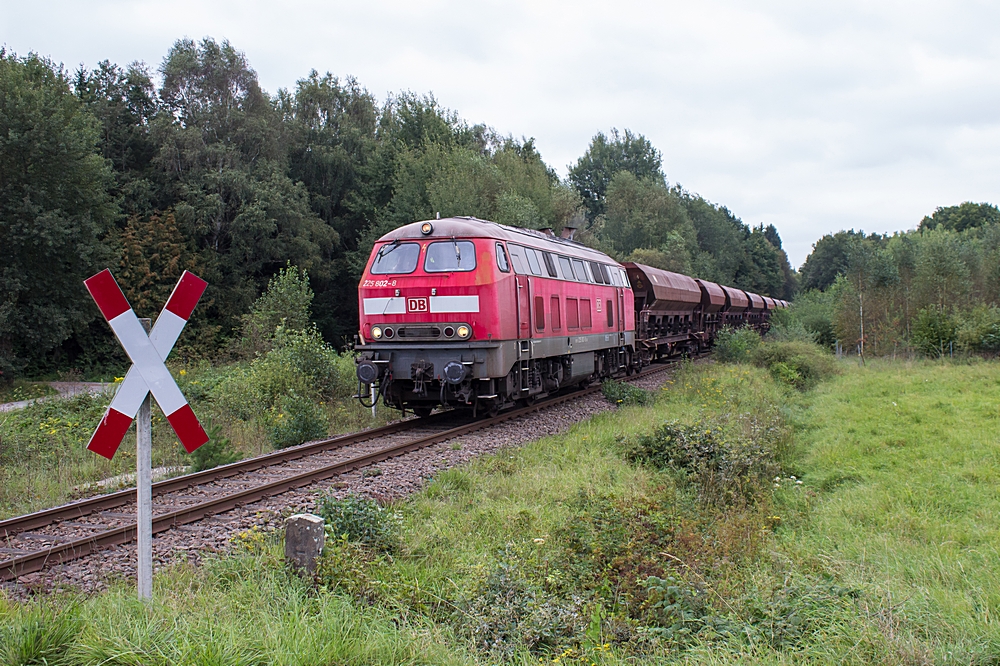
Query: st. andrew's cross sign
148, 374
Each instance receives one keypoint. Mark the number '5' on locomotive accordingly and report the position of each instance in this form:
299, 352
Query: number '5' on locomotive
462, 311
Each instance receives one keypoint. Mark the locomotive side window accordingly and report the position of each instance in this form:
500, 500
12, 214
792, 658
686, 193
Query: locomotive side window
451, 255
606, 273
612, 276
595, 268
502, 259
539, 313
550, 264
517, 259
580, 270
585, 320
572, 314
567, 268
554, 309
624, 278
396, 258
532, 257
611, 315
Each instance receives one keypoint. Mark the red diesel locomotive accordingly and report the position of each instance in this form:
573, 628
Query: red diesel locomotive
462, 311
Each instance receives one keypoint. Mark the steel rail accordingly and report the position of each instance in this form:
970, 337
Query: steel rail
84, 507
71, 550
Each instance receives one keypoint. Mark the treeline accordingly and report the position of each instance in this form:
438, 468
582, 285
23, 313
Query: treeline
933, 290
201, 169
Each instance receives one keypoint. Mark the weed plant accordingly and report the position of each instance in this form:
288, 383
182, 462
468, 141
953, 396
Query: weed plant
735, 345
620, 393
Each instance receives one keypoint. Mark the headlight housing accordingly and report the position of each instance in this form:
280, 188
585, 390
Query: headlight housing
463, 331
376, 333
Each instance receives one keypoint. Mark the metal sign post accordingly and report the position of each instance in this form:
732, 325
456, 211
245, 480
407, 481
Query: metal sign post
147, 348
144, 492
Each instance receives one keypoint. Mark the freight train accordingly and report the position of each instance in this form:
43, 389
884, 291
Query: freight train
466, 312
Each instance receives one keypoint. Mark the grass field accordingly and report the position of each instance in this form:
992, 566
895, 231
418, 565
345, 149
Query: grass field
875, 541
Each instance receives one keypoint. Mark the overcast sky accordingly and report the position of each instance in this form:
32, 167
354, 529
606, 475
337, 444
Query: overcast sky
810, 116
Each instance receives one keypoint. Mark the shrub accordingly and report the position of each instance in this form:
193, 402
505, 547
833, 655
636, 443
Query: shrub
734, 345
978, 329
287, 302
786, 327
362, 520
217, 451
800, 364
282, 389
621, 393
933, 332
296, 419
724, 469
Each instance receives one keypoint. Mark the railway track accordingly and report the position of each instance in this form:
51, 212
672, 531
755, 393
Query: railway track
61, 534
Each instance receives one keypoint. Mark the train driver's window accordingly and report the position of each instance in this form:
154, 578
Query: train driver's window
539, 313
554, 309
566, 268
585, 320
532, 258
612, 276
581, 271
572, 314
624, 277
611, 315
502, 259
396, 258
517, 259
450, 255
550, 264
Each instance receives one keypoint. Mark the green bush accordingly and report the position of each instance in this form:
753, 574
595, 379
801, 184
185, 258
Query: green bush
800, 364
287, 303
786, 327
933, 332
217, 451
621, 393
978, 329
362, 520
283, 389
724, 469
295, 419
734, 345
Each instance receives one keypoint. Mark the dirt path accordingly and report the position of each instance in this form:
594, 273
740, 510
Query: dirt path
65, 389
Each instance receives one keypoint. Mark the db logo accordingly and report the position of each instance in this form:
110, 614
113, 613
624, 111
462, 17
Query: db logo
416, 305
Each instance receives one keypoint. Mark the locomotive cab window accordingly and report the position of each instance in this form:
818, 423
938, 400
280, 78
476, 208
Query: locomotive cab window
396, 258
449, 256
502, 259
517, 259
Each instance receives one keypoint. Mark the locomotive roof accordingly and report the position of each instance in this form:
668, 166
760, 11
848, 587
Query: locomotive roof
471, 227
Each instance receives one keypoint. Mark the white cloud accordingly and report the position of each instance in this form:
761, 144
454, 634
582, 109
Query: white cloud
807, 116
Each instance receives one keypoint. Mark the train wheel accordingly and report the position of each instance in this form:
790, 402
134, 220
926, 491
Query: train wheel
423, 412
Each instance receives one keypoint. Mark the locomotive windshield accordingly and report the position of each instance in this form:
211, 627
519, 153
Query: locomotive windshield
396, 257
452, 255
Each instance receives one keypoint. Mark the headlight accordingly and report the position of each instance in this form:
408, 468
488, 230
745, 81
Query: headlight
426, 228
376, 332
464, 331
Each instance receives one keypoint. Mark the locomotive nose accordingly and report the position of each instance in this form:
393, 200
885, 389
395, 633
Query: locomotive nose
367, 372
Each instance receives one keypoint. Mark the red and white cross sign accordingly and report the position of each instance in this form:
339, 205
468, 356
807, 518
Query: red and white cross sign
148, 374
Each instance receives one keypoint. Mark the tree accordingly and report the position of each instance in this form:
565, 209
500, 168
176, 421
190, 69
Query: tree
959, 218
222, 159
643, 213
607, 156
827, 260
55, 212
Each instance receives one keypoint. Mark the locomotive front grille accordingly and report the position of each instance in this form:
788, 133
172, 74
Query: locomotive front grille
424, 332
